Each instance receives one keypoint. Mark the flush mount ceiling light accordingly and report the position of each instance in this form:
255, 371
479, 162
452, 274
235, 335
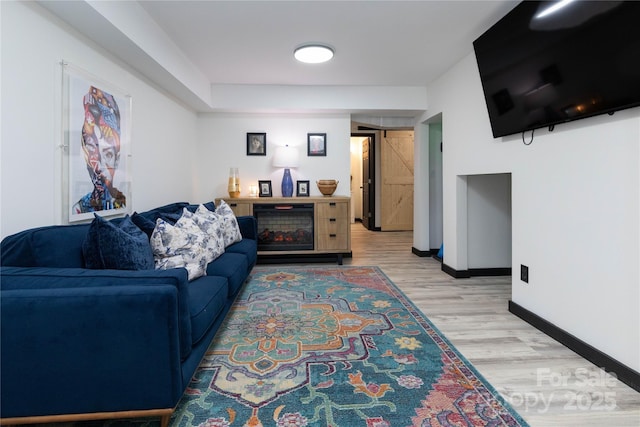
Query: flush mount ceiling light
313, 53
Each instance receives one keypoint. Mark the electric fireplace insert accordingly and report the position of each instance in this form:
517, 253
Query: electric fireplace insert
284, 226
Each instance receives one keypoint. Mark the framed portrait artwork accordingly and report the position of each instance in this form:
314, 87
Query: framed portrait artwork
316, 144
256, 144
97, 147
302, 188
264, 189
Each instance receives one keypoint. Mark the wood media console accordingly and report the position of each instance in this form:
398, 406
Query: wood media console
294, 229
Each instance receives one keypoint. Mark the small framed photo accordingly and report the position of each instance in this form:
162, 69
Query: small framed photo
316, 144
256, 144
302, 188
264, 189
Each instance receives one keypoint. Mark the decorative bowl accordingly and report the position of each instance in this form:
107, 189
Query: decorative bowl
327, 186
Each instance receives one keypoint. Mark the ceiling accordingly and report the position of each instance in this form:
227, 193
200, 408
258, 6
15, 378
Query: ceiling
210, 54
378, 43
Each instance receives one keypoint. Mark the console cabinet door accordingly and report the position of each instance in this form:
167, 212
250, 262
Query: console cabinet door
239, 207
332, 226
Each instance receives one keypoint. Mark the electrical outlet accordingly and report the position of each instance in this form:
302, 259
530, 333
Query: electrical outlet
524, 273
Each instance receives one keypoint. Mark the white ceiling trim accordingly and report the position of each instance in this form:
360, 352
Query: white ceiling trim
126, 30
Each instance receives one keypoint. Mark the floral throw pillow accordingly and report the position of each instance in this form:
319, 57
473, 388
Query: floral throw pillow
180, 245
210, 225
230, 228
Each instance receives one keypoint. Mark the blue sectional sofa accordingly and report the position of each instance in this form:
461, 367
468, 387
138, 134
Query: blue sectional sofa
79, 343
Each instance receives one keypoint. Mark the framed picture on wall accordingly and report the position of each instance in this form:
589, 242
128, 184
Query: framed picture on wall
316, 144
302, 188
264, 189
256, 144
97, 162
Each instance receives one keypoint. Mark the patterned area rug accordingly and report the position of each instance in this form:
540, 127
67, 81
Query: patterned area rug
334, 346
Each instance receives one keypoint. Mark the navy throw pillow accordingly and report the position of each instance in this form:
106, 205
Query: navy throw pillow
145, 224
209, 205
170, 217
120, 246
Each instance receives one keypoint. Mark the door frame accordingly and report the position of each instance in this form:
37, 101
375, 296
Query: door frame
370, 224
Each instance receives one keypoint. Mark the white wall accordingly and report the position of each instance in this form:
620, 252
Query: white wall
163, 132
421, 188
575, 211
221, 144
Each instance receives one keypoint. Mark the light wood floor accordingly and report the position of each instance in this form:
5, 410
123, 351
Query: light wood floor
548, 384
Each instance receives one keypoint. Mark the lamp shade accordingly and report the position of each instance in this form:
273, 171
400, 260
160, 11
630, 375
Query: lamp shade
286, 157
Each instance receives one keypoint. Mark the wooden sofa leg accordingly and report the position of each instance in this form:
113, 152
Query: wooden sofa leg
164, 414
164, 420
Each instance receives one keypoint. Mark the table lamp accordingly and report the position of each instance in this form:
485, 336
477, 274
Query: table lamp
286, 157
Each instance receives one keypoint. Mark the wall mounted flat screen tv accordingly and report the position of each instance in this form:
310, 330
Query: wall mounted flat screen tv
580, 61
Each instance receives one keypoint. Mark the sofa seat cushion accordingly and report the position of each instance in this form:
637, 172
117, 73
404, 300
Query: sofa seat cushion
207, 299
248, 248
231, 266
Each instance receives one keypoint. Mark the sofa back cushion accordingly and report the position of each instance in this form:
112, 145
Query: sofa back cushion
52, 246
146, 221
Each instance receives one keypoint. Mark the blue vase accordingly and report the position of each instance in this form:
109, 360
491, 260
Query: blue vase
287, 184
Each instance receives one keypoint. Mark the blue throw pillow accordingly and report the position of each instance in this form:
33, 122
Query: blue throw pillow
209, 205
120, 247
143, 223
170, 217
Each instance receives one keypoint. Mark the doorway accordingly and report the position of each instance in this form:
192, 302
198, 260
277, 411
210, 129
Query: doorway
390, 166
363, 183
435, 184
